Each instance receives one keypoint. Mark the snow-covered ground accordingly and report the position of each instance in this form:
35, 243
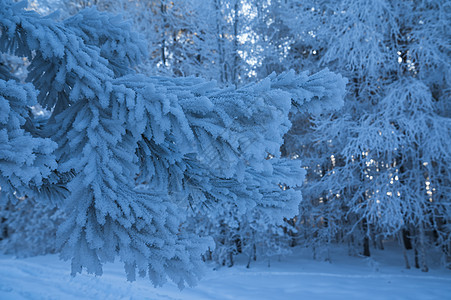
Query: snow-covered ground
293, 277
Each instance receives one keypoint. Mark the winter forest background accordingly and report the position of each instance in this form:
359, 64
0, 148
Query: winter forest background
187, 131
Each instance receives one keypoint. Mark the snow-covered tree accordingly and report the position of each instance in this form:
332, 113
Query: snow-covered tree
126, 155
372, 164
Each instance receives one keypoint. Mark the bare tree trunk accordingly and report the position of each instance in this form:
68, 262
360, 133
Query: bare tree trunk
417, 264
235, 43
3, 228
366, 246
220, 40
230, 259
406, 239
381, 243
366, 240
255, 252
424, 267
163, 32
404, 249
248, 262
252, 256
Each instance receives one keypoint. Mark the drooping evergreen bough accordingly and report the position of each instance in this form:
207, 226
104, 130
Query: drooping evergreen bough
126, 155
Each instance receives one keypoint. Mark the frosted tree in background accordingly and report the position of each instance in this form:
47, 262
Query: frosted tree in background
372, 164
183, 37
126, 155
213, 39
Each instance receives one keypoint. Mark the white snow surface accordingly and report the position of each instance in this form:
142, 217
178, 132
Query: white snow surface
294, 277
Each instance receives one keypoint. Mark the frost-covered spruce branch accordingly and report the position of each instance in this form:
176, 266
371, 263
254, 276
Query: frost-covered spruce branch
184, 141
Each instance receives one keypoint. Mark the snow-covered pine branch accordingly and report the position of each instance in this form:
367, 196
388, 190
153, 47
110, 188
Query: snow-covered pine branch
182, 140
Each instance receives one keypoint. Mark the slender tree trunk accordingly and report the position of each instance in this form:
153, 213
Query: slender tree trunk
163, 31
366, 240
404, 249
417, 264
249, 261
235, 43
424, 267
366, 246
406, 239
415, 246
255, 251
220, 41
230, 259
252, 256
381, 243
4, 229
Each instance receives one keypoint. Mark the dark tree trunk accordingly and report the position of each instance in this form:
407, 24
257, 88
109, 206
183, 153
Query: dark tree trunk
406, 239
235, 43
238, 244
404, 248
366, 240
255, 252
4, 229
220, 35
230, 259
417, 264
163, 10
366, 247
424, 267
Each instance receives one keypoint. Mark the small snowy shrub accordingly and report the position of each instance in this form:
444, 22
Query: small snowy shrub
30, 228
